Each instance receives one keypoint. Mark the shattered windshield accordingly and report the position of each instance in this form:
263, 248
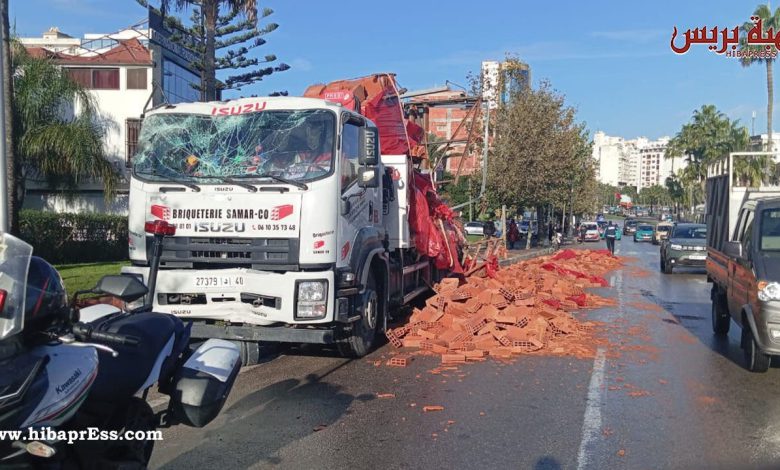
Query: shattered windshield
297, 145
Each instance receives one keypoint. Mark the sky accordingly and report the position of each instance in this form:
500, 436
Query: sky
611, 59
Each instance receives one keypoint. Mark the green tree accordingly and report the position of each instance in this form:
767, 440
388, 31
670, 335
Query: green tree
654, 196
225, 38
676, 191
58, 135
535, 155
709, 136
768, 20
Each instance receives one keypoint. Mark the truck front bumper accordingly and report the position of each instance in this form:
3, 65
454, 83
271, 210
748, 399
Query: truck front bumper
694, 259
243, 296
767, 327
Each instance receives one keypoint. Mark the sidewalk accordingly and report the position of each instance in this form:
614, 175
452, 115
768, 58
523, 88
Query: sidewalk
519, 255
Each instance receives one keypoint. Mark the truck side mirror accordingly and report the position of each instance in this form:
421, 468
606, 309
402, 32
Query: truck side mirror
368, 177
369, 146
733, 249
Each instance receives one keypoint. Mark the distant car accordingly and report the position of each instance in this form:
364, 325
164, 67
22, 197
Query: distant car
474, 228
630, 226
644, 233
686, 246
523, 227
590, 232
665, 217
661, 232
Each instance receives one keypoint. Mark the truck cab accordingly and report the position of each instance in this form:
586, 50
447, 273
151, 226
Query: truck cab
283, 229
743, 260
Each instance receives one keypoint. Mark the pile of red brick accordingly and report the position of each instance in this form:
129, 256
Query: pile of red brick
524, 308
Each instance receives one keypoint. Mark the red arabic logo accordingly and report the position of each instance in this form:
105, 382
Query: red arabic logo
729, 40
280, 212
161, 212
319, 244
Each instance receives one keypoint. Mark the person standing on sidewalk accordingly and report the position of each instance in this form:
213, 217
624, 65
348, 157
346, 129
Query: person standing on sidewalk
610, 233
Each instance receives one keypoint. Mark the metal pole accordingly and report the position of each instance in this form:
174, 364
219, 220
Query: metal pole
3, 157
485, 149
503, 223
484, 162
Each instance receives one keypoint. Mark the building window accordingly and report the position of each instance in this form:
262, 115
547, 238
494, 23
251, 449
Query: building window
95, 79
178, 83
132, 129
105, 79
81, 76
136, 79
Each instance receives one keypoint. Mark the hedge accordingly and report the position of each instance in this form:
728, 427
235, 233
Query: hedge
75, 238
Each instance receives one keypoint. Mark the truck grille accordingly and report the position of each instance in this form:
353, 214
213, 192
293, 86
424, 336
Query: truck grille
279, 254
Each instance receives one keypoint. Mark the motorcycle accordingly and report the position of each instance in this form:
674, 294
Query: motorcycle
126, 352
43, 382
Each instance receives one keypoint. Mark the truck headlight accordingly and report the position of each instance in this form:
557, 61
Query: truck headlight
312, 299
675, 246
768, 291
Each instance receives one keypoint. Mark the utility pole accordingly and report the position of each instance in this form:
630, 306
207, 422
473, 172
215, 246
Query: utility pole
4, 202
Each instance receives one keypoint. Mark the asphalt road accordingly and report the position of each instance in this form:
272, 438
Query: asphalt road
665, 394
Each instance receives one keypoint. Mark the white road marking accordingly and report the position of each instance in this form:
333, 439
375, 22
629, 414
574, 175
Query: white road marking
591, 423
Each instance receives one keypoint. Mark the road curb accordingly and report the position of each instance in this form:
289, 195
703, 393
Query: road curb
524, 256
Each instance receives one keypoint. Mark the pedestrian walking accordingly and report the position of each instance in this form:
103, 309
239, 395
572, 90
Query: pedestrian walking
512, 234
610, 233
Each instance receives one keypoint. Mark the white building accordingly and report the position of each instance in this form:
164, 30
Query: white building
125, 72
491, 80
614, 160
635, 162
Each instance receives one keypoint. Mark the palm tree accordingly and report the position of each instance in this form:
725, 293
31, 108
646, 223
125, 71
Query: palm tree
58, 136
768, 20
210, 14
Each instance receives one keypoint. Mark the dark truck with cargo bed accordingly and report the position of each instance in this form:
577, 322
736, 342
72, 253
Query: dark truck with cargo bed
743, 253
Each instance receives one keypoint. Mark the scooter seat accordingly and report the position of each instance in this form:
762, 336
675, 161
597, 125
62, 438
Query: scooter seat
123, 376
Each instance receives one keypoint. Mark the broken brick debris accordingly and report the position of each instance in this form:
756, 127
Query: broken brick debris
428, 408
401, 360
523, 308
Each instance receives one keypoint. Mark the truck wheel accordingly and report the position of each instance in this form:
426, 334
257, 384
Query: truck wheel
721, 322
249, 352
360, 340
755, 359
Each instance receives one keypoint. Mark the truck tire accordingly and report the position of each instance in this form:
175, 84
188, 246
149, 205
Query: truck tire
249, 352
755, 359
721, 322
361, 338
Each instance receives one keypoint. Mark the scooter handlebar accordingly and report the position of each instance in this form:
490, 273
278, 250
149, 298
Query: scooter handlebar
85, 332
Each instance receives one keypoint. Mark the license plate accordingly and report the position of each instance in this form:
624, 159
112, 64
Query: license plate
219, 281
698, 257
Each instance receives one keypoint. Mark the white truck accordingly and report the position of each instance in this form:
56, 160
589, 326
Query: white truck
290, 227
